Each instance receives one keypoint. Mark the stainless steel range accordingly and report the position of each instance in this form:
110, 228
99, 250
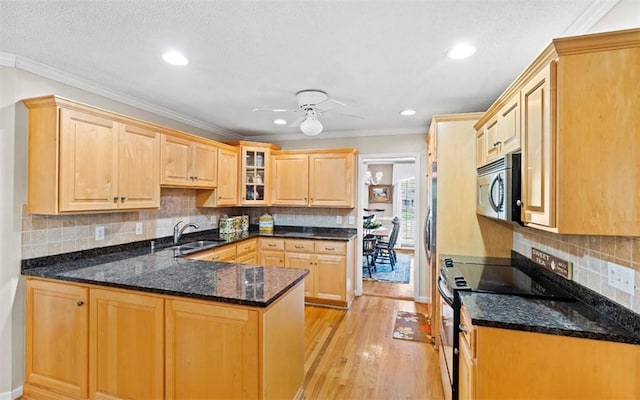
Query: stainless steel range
487, 275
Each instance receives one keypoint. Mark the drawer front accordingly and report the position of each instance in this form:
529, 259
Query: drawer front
272, 244
299, 246
328, 247
247, 246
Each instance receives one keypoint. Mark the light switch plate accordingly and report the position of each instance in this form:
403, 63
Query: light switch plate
99, 232
138, 228
622, 278
352, 220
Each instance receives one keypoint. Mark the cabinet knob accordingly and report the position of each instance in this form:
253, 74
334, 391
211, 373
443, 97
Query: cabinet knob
123, 198
115, 199
195, 178
519, 203
80, 303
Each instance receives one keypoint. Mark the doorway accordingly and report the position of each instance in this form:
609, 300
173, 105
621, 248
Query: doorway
398, 176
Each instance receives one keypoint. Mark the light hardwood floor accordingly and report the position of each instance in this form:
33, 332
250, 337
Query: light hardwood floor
352, 355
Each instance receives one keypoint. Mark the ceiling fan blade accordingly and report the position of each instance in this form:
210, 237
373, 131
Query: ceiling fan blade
298, 121
329, 104
277, 110
347, 115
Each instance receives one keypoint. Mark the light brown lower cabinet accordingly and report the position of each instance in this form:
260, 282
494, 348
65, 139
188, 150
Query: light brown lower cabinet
57, 337
331, 269
126, 352
87, 342
271, 252
508, 364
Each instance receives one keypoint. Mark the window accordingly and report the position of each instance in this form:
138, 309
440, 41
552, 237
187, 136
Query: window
407, 234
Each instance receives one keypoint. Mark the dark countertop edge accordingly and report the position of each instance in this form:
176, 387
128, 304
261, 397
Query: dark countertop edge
609, 337
227, 300
339, 234
620, 315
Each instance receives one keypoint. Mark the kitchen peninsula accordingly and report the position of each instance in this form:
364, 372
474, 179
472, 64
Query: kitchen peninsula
137, 322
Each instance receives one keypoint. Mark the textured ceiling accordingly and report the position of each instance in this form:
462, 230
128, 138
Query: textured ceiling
378, 57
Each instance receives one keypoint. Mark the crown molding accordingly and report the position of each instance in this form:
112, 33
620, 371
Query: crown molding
19, 62
339, 134
591, 16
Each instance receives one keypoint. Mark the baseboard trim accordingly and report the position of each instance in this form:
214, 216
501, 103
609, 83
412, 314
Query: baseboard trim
12, 395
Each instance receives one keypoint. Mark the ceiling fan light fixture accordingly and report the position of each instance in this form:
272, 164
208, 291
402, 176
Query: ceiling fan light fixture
311, 126
460, 51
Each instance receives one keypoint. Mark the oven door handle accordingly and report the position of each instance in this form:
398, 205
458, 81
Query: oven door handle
447, 297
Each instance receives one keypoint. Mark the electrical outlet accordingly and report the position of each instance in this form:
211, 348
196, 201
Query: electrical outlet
214, 220
99, 232
622, 278
352, 220
339, 219
138, 228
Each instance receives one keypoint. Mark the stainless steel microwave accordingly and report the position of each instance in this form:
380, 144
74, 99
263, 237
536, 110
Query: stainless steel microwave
499, 189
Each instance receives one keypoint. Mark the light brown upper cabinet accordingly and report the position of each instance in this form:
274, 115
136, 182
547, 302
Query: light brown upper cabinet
188, 163
226, 193
314, 179
500, 135
255, 160
83, 159
579, 122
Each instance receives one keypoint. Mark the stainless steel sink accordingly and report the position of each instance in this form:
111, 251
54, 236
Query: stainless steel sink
195, 246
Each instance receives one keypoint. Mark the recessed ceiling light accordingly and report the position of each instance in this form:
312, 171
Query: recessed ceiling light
175, 58
407, 112
280, 121
462, 50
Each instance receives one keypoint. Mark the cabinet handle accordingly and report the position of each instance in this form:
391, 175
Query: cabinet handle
115, 199
123, 198
195, 178
298, 247
463, 328
496, 143
219, 197
330, 248
271, 245
80, 303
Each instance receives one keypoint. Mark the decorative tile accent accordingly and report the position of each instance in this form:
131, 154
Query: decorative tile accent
44, 235
589, 255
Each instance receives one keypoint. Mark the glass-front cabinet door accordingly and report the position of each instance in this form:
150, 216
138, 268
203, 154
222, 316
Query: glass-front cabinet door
255, 161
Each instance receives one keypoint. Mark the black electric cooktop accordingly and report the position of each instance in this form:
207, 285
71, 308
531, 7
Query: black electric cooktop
495, 278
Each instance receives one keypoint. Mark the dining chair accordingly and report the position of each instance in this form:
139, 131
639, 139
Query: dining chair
385, 250
369, 253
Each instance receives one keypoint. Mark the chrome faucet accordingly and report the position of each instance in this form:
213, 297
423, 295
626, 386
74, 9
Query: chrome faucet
177, 232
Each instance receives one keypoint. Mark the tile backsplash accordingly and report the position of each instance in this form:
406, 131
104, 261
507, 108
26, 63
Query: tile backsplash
44, 235
589, 255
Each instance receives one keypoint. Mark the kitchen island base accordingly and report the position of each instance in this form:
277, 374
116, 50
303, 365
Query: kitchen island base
82, 346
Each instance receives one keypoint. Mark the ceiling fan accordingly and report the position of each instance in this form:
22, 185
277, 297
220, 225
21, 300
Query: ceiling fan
311, 103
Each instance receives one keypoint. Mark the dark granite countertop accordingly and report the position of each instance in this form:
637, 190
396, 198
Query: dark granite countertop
136, 266
589, 316
566, 318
